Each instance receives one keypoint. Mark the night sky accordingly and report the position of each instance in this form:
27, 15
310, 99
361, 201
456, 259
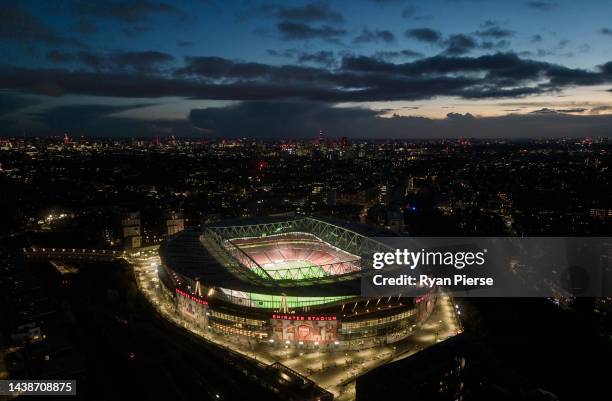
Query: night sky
375, 69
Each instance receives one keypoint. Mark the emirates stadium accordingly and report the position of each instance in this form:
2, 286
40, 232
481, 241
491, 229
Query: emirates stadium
290, 282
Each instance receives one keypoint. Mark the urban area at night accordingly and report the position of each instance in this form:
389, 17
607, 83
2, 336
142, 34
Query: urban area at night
195, 195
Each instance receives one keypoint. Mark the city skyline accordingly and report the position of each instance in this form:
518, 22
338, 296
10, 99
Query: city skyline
374, 69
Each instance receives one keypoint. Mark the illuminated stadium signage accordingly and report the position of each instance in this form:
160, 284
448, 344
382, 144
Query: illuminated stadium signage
305, 318
192, 308
321, 331
191, 297
418, 300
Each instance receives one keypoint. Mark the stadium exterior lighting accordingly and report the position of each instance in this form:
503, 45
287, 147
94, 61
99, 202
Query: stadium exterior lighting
283, 282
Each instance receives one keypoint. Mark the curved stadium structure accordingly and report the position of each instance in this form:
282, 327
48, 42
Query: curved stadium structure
287, 282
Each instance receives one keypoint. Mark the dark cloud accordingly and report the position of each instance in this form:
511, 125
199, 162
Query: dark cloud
356, 78
541, 5
217, 67
323, 57
303, 120
391, 55
289, 119
536, 38
547, 110
563, 44
75, 117
499, 69
98, 120
491, 30
185, 43
495, 45
459, 44
59, 82
426, 35
410, 53
286, 53
10, 102
375, 36
298, 31
489, 24
574, 110
606, 68
600, 109
459, 116
544, 53
311, 12
16, 23
131, 11
606, 31
135, 16
538, 53
122, 61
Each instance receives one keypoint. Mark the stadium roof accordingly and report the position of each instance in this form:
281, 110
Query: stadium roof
185, 254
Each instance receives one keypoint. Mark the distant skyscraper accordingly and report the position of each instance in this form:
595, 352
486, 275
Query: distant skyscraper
383, 194
321, 137
411, 186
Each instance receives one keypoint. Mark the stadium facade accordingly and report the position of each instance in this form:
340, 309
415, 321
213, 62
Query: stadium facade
287, 282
